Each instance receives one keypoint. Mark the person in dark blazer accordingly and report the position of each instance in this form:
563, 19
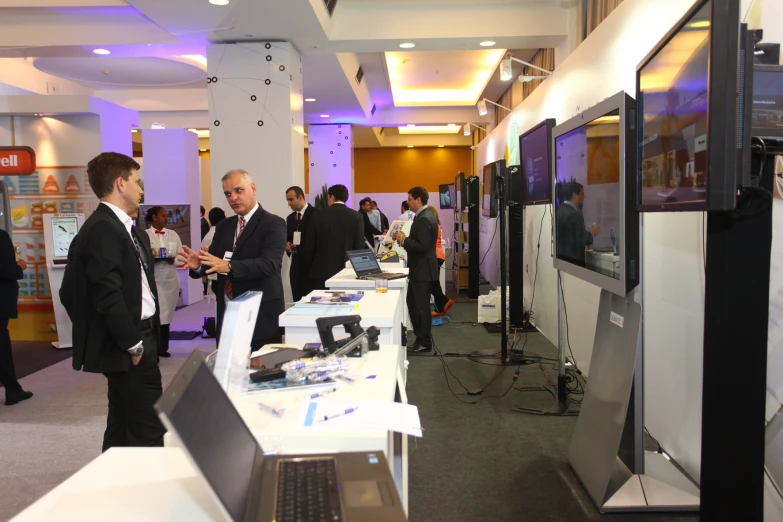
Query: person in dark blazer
422, 267
109, 293
11, 270
338, 229
247, 254
301, 220
572, 236
370, 231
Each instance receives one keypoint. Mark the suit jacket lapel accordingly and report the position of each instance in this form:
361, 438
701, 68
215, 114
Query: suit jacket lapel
250, 226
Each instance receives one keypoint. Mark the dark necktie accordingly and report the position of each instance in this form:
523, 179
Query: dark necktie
229, 288
298, 219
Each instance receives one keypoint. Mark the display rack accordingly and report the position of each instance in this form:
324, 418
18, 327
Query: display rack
460, 259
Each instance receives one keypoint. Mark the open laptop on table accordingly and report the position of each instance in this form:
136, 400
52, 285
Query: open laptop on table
366, 266
252, 487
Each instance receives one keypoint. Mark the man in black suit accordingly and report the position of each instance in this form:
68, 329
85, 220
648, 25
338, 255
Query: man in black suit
299, 223
247, 254
10, 271
422, 267
370, 231
572, 236
338, 229
109, 293
204, 223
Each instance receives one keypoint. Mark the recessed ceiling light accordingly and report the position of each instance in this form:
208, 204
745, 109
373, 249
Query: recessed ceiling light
441, 146
324, 115
410, 146
309, 99
101, 51
488, 43
407, 45
202, 150
134, 130
452, 124
411, 125
192, 130
218, 2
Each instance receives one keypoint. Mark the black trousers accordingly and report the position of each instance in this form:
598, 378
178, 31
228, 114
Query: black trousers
257, 344
437, 291
165, 333
7, 371
132, 420
418, 301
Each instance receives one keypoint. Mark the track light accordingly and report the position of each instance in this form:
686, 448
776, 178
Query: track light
482, 106
505, 69
466, 128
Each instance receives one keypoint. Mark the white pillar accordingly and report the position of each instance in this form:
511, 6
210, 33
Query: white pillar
330, 151
171, 177
255, 113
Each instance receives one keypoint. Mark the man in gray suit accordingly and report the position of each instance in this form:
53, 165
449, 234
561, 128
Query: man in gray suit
572, 236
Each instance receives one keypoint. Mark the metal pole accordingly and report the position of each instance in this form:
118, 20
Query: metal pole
562, 397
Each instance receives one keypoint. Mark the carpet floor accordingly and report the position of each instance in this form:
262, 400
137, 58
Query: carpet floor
34, 356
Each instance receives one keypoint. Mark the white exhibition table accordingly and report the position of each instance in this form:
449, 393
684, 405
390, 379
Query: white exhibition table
346, 279
160, 484
380, 310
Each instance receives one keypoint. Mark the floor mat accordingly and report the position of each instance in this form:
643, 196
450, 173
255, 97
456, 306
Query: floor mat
33, 356
183, 336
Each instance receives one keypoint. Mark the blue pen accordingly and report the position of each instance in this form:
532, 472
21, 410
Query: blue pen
321, 394
339, 414
274, 411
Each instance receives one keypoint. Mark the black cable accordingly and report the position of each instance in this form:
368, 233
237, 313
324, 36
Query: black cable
565, 313
490, 242
538, 253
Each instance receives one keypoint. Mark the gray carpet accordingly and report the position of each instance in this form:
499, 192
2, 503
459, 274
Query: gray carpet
483, 461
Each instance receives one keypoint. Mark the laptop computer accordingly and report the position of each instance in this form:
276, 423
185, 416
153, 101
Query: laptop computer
366, 266
252, 487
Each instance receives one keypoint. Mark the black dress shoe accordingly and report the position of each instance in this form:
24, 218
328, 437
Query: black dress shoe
17, 397
164, 354
419, 349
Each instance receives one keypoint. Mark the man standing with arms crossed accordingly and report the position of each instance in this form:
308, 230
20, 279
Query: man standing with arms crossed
108, 291
422, 267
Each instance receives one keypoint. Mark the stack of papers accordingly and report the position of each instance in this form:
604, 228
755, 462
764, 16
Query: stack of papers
392, 416
334, 297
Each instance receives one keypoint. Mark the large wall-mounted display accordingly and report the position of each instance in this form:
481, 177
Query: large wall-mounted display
489, 198
535, 154
48, 190
597, 227
768, 101
687, 93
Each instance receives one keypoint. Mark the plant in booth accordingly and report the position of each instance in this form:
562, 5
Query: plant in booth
322, 200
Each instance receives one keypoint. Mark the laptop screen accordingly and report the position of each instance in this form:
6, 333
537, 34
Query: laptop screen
214, 435
363, 262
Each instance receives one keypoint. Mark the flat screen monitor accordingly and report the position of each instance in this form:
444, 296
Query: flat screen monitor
489, 198
767, 101
453, 195
445, 196
461, 189
687, 91
64, 229
535, 156
596, 224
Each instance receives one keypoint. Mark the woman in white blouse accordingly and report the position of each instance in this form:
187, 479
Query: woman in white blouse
166, 277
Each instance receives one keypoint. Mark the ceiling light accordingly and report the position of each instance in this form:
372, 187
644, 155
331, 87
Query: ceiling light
218, 2
410, 146
324, 115
452, 124
488, 43
309, 99
198, 58
482, 107
101, 51
134, 130
192, 130
505, 69
202, 150
466, 129
428, 129
441, 146
407, 45
411, 125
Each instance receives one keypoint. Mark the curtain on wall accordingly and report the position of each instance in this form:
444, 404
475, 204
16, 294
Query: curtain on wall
597, 11
517, 92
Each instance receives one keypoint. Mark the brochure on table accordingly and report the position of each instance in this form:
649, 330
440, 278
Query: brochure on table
236, 333
59, 231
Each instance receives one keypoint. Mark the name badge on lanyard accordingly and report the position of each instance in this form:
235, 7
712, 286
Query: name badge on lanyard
227, 256
297, 238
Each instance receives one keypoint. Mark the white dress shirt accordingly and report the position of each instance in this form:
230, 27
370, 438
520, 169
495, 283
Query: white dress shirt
147, 299
247, 220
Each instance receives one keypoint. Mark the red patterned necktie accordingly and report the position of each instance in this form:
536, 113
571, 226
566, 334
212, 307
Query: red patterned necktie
229, 289
159, 232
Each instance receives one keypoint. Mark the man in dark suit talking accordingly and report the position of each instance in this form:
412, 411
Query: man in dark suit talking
109, 293
338, 229
299, 225
247, 254
422, 267
572, 236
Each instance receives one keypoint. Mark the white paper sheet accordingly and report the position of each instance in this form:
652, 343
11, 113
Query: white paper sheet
392, 416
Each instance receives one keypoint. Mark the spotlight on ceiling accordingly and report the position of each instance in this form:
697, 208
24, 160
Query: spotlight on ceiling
452, 124
506, 73
441, 146
488, 43
218, 2
309, 99
407, 45
411, 125
466, 129
101, 51
410, 146
324, 115
482, 107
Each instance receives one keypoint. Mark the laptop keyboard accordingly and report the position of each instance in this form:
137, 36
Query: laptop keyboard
307, 492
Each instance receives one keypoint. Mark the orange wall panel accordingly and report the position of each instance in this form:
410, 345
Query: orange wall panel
390, 169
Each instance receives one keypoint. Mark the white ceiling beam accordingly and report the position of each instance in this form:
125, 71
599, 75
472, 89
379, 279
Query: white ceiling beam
175, 119
158, 99
426, 140
350, 65
401, 116
21, 74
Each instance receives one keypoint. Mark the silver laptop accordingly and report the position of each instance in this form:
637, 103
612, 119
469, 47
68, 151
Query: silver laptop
366, 266
252, 487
